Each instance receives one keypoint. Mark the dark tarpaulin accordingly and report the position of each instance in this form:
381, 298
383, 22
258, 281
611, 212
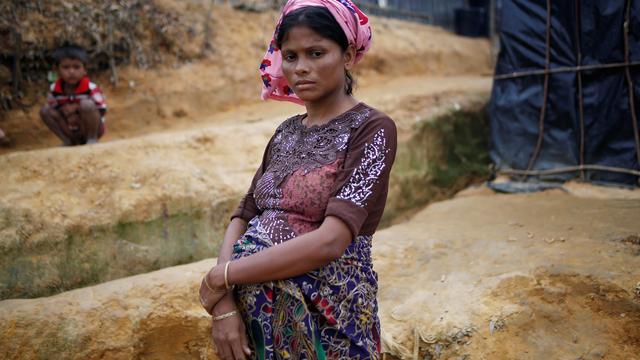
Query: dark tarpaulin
605, 136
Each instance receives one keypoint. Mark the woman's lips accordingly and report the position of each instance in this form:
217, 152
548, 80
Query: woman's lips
304, 85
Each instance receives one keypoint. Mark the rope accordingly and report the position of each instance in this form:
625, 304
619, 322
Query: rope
569, 169
564, 69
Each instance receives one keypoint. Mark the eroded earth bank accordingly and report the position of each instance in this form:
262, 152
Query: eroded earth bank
103, 246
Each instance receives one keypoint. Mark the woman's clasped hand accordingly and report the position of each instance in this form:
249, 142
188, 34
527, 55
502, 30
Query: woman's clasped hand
214, 286
227, 329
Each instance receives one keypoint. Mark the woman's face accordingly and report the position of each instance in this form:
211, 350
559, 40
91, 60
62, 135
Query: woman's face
313, 65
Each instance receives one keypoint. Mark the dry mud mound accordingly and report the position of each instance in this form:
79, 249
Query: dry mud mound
482, 276
546, 275
151, 316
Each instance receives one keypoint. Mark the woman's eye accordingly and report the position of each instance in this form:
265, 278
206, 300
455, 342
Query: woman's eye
289, 57
316, 53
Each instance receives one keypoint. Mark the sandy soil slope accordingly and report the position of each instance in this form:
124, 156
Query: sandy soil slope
532, 276
482, 276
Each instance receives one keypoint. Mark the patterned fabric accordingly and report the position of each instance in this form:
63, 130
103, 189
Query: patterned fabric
329, 313
84, 90
360, 185
353, 22
338, 169
297, 147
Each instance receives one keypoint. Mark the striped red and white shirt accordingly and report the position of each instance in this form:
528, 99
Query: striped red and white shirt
85, 90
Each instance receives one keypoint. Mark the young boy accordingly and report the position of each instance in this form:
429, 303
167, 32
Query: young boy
75, 106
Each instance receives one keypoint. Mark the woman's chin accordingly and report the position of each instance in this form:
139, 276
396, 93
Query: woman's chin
312, 96
307, 97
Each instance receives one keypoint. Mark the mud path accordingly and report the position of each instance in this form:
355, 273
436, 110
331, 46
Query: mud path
406, 98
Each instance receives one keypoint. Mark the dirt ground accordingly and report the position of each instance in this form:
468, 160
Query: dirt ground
551, 275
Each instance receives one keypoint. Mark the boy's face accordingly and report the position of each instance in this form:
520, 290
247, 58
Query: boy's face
71, 70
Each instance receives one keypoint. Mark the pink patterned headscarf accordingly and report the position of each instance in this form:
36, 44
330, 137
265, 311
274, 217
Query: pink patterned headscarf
353, 22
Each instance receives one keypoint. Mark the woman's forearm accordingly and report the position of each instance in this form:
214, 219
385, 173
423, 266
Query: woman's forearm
236, 228
291, 258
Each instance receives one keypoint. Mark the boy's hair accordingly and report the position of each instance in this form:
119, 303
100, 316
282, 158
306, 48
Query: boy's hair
70, 51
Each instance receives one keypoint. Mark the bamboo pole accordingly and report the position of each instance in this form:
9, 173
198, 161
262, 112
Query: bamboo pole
112, 60
206, 42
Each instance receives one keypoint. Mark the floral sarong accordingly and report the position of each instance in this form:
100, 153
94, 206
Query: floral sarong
328, 313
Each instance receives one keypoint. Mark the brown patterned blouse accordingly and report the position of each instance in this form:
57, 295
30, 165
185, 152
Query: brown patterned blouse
340, 169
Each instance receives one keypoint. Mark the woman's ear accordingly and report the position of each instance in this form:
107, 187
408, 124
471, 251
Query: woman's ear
349, 57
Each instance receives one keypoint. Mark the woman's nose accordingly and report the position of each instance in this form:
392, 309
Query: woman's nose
302, 66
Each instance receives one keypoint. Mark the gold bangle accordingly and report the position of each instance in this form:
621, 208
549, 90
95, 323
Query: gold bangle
206, 283
226, 315
226, 272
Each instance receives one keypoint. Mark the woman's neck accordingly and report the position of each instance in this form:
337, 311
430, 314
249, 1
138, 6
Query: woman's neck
323, 111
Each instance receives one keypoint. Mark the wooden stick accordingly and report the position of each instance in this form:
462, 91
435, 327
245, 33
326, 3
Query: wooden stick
206, 43
112, 60
16, 73
632, 106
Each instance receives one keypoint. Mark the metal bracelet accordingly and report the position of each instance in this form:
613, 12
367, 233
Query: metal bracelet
226, 272
206, 283
225, 315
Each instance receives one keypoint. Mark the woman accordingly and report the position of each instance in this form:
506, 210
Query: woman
298, 248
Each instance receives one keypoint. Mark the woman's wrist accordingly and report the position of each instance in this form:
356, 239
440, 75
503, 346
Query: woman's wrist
221, 260
215, 277
225, 305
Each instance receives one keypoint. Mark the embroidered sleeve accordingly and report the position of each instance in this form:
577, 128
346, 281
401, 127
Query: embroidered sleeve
247, 209
360, 185
361, 188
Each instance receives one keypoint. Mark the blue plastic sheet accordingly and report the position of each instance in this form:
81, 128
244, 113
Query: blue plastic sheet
596, 28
